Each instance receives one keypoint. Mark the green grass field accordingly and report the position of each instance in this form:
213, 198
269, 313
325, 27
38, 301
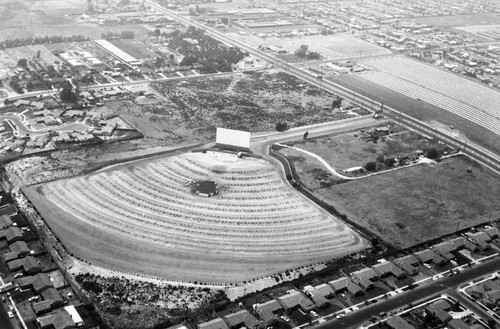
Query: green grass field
420, 203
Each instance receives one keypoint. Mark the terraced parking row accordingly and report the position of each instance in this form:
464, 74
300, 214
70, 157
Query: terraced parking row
255, 214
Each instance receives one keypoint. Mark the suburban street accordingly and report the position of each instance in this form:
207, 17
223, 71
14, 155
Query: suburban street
446, 284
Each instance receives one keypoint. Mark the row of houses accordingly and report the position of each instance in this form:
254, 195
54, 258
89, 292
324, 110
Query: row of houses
438, 254
270, 311
20, 251
437, 311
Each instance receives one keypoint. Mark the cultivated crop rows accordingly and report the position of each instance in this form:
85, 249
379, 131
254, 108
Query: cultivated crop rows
446, 103
255, 214
468, 99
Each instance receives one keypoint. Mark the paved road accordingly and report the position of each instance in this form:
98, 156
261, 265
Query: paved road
355, 319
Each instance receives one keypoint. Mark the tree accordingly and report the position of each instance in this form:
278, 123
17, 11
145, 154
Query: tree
313, 55
281, 126
306, 134
371, 166
381, 158
337, 102
67, 95
224, 20
389, 162
157, 32
492, 324
302, 51
432, 153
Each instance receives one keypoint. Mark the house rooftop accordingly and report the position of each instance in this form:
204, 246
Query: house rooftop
386, 268
42, 306
57, 320
28, 264
457, 324
52, 294
241, 317
345, 283
491, 231
294, 298
39, 282
213, 324
444, 249
397, 322
266, 310
5, 222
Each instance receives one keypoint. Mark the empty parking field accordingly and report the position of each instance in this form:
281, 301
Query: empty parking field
142, 218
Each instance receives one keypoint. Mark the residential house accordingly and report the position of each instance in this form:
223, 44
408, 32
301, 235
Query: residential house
8, 210
43, 113
489, 285
442, 304
387, 268
42, 307
457, 324
18, 249
11, 235
53, 295
444, 249
39, 282
5, 222
27, 264
408, 263
213, 324
319, 294
494, 296
482, 239
461, 242
267, 310
73, 114
294, 299
491, 231
60, 319
241, 319
62, 138
440, 315
428, 255
397, 322
106, 130
47, 120
345, 284
364, 277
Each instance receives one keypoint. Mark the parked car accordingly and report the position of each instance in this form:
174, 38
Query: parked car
314, 314
285, 318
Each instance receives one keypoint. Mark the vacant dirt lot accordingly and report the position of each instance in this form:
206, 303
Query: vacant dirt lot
191, 109
421, 202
